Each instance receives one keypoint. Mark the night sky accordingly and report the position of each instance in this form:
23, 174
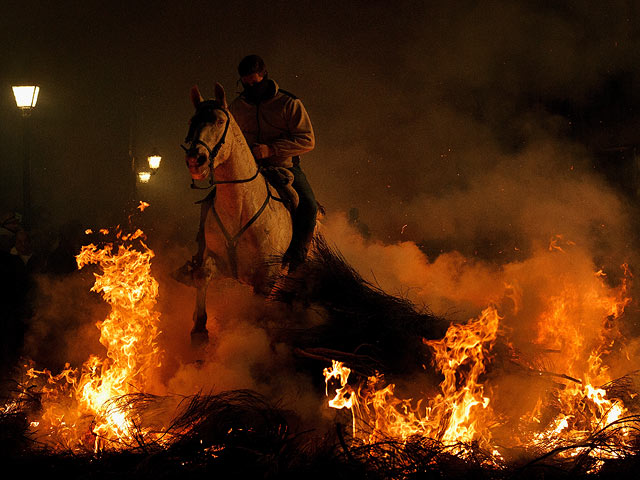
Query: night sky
449, 124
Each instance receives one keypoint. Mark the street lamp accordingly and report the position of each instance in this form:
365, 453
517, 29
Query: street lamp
154, 164
26, 99
144, 176
154, 161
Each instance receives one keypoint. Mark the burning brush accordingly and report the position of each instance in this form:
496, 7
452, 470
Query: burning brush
76, 412
580, 419
571, 416
104, 409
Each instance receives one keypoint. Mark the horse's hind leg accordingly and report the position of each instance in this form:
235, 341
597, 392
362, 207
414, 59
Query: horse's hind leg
199, 332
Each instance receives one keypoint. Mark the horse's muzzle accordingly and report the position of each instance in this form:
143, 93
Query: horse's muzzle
198, 167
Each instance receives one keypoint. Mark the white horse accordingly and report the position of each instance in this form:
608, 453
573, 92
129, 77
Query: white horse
245, 230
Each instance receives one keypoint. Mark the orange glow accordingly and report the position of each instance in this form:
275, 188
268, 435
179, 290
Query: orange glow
569, 313
457, 414
129, 335
463, 412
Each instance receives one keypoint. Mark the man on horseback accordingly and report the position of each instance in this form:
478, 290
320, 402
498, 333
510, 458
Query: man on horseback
278, 130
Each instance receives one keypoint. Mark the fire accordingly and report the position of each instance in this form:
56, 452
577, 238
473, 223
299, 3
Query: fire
575, 327
585, 407
455, 415
129, 334
345, 395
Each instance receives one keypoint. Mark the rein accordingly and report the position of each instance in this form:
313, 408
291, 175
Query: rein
209, 201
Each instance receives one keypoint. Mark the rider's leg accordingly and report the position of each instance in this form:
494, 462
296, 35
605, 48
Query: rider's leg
304, 219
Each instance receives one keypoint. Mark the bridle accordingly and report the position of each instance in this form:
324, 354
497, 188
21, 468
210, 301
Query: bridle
204, 114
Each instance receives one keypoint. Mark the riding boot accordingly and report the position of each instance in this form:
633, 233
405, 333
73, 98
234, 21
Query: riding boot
297, 252
295, 256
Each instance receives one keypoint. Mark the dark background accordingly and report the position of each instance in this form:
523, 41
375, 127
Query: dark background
418, 106
492, 128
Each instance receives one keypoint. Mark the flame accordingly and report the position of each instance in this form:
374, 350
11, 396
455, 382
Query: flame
455, 415
585, 407
575, 324
557, 240
462, 413
129, 334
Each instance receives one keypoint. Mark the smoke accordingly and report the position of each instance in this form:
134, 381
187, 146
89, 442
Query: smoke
62, 326
465, 135
407, 100
449, 123
243, 351
558, 309
520, 202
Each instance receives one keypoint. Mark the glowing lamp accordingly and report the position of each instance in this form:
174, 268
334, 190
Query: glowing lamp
26, 97
144, 177
154, 161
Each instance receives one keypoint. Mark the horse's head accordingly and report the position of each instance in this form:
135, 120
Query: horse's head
208, 128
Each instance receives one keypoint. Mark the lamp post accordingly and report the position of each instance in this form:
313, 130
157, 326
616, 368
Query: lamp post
26, 98
143, 176
140, 174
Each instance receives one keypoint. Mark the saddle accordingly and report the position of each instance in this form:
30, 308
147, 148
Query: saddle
282, 180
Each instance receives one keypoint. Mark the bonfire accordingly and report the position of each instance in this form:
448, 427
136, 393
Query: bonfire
78, 407
576, 417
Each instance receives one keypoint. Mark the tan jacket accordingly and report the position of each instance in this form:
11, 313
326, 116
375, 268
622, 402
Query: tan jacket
280, 121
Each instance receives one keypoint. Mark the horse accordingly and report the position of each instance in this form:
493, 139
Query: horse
244, 228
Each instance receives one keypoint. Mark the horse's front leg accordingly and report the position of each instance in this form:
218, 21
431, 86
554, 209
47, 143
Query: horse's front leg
201, 276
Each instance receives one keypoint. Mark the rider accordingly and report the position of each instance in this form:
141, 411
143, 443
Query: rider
278, 130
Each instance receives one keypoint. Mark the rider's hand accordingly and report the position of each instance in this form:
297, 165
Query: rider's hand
260, 151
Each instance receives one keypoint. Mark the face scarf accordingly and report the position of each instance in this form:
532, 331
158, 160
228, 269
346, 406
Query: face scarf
258, 91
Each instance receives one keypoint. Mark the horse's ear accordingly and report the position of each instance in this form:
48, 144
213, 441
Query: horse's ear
196, 98
220, 96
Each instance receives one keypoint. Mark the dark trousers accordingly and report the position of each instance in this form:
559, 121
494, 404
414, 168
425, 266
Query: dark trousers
304, 218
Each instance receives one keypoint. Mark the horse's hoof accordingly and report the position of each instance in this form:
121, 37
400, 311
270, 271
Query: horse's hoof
199, 338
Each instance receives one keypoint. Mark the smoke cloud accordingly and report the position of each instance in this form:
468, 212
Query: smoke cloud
467, 137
